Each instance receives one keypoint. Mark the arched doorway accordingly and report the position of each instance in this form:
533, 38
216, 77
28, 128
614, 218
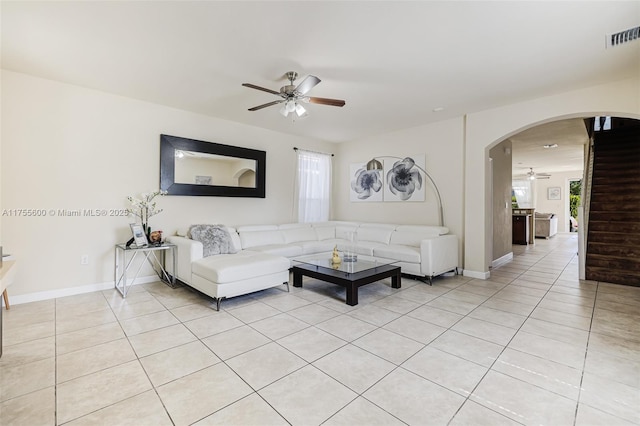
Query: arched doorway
486, 129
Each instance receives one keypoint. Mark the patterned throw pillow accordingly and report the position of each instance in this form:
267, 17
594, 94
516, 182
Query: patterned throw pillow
214, 238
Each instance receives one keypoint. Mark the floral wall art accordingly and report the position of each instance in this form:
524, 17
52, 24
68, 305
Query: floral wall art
401, 180
366, 185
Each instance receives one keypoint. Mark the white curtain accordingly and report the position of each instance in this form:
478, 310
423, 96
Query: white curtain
524, 190
313, 183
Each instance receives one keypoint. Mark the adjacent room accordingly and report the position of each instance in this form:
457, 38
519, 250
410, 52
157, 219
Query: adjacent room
319, 213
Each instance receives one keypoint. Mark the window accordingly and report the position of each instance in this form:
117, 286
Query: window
602, 123
523, 189
313, 186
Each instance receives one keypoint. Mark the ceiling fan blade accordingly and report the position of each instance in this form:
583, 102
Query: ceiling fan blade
253, 86
327, 101
307, 84
255, 108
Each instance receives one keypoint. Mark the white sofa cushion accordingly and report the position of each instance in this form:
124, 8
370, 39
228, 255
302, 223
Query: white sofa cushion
388, 226
235, 238
253, 228
317, 247
287, 250
325, 232
342, 230
367, 247
294, 235
251, 239
240, 266
410, 238
374, 234
294, 225
425, 229
398, 252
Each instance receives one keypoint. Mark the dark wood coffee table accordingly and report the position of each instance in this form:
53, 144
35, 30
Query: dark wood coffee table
350, 275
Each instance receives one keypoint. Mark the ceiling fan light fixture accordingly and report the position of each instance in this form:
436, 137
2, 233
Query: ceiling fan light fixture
284, 111
291, 95
531, 174
550, 145
300, 110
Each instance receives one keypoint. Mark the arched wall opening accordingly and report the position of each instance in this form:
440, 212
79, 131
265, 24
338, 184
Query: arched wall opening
562, 167
487, 129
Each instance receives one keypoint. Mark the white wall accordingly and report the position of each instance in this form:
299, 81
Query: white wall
442, 144
66, 147
487, 128
501, 211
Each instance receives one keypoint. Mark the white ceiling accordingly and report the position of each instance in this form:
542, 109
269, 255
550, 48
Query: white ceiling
393, 62
528, 149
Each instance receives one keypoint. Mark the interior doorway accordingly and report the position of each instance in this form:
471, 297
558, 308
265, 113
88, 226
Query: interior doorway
575, 192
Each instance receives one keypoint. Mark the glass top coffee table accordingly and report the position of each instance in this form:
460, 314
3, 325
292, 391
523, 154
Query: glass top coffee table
350, 275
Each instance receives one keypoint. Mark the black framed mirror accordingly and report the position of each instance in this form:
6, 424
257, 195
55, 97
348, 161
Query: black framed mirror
193, 167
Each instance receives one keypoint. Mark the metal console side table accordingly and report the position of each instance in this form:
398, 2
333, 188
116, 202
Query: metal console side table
122, 265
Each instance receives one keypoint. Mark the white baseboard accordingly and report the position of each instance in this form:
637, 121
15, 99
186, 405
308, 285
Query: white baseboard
477, 274
502, 260
71, 291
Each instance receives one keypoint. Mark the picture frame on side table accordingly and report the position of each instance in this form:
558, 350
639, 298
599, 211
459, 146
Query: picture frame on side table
139, 237
553, 193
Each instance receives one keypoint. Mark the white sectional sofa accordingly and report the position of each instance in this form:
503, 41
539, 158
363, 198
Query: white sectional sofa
265, 252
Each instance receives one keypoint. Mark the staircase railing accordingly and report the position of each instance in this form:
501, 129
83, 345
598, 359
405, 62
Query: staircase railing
585, 202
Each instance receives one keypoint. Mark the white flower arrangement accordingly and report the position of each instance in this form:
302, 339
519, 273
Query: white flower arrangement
144, 207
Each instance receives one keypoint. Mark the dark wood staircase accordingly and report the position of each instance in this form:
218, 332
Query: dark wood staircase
613, 241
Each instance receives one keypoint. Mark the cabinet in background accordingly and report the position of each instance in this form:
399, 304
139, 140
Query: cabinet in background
521, 228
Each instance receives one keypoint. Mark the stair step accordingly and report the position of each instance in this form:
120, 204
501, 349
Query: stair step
632, 197
617, 238
608, 206
619, 161
602, 222
605, 148
612, 165
624, 185
613, 262
616, 277
617, 250
619, 171
604, 142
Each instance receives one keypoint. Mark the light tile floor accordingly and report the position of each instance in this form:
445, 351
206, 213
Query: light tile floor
532, 345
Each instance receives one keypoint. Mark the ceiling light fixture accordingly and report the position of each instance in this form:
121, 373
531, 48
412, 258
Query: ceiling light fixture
292, 95
291, 106
551, 145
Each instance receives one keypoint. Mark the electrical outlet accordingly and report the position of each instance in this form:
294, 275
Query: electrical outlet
84, 259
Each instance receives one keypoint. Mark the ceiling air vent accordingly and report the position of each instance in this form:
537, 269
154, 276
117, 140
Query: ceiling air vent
623, 37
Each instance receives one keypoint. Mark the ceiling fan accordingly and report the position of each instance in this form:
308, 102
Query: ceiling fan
531, 175
292, 96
